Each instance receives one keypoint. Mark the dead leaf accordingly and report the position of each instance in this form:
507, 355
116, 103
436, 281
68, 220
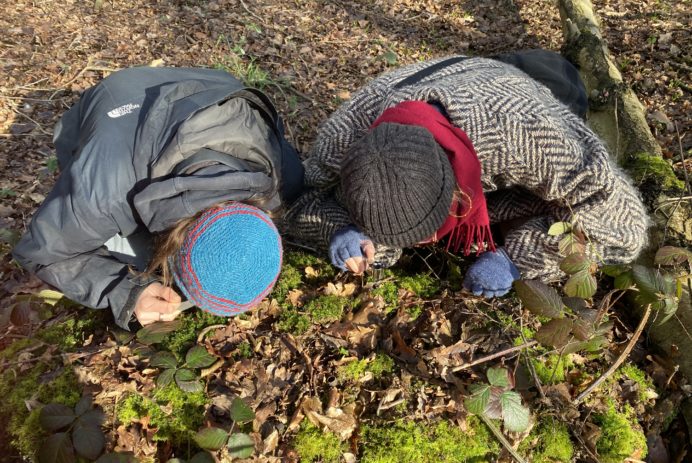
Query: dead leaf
294, 297
311, 272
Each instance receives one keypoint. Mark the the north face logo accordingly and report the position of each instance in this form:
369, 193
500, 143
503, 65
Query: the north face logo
122, 110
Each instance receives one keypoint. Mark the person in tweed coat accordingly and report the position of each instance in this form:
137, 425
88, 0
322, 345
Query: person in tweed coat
382, 172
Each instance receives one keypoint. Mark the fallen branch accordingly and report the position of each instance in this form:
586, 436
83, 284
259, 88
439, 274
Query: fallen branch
620, 359
503, 440
494, 356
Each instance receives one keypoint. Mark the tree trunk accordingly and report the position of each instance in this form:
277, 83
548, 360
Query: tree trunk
617, 116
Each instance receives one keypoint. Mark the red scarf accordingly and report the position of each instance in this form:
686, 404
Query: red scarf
468, 220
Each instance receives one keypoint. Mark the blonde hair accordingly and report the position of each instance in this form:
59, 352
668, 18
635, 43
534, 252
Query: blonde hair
168, 243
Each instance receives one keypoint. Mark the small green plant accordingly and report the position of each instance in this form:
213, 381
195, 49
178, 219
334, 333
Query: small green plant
661, 290
497, 401
52, 164
7, 192
75, 430
238, 445
184, 375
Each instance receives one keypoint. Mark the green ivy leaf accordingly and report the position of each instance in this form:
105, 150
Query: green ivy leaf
559, 228
480, 397
499, 377
211, 438
581, 284
670, 255
56, 416
165, 378
514, 414
88, 440
198, 357
240, 445
157, 332
57, 449
163, 359
539, 298
555, 333
574, 263
240, 412
188, 381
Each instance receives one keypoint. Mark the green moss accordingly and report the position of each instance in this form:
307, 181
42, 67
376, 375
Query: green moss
300, 260
548, 442
183, 415
356, 369
552, 370
422, 285
381, 364
292, 321
645, 383
70, 333
11, 351
244, 350
313, 444
427, 443
326, 309
646, 167
619, 440
185, 336
414, 311
290, 278
389, 293
44, 385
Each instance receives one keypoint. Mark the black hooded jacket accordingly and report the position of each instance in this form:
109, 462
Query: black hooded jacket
141, 150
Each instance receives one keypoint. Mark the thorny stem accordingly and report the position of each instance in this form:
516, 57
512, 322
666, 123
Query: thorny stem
494, 356
503, 440
620, 359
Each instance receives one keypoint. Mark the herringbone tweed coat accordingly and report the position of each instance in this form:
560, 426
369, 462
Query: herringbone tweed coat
540, 162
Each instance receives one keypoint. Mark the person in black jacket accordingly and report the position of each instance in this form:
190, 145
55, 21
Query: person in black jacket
150, 150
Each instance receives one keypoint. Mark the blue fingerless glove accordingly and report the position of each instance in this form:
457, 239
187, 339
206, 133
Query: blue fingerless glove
491, 275
346, 243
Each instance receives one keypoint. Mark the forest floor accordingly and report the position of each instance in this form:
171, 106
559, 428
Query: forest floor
333, 367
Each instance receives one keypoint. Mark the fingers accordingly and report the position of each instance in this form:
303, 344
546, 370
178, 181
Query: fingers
357, 265
369, 251
169, 295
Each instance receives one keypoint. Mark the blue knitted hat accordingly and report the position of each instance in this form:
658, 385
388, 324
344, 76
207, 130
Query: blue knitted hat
229, 260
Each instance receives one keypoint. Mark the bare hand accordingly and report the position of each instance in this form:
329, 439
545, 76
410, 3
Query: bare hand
157, 303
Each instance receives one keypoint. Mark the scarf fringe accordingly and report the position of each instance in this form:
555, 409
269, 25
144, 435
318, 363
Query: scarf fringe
467, 235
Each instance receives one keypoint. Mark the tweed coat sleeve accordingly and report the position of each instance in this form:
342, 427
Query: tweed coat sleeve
567, 166
318, 213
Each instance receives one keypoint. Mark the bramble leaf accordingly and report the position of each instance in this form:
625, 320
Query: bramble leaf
559, 228
198, 357
56, 416
671, 255
157, 332
499, 377
240, 412
240, 445
88, 441
581, 284
575, 262
188, 381
165, 378
539, 298
57, 449
163, 359
480, 397
211, 438
514, 414
555, 333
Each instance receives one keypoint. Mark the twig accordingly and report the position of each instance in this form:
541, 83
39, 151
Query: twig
684, 67
242, 3
672, 200
38, 126
620, 359
529, 363
682, 157
86, 68
494, 356
503, 440
298, 245
206, 330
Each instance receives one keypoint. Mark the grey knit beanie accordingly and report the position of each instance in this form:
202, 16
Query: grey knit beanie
397, 184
